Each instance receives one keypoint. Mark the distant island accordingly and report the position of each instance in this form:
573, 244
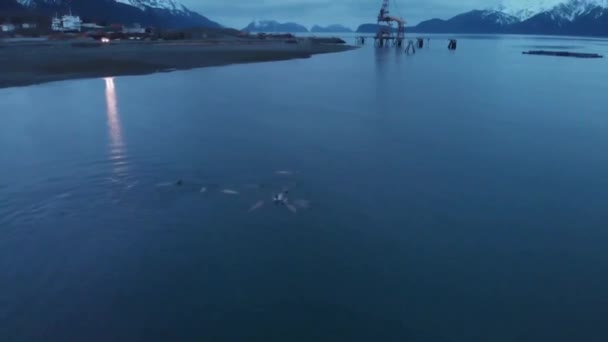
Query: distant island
330, 29
570, 17
273, 26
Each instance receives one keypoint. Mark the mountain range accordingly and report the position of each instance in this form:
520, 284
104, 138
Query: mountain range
273, 26
550, 17
158, 13
330, 29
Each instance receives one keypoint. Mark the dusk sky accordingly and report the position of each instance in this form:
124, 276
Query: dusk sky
239, 13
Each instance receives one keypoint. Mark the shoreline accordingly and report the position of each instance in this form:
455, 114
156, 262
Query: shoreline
30, 63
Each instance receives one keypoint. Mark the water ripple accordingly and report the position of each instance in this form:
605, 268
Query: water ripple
38, 211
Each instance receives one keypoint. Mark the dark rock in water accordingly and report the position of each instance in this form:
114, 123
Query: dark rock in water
562, 54
330, 40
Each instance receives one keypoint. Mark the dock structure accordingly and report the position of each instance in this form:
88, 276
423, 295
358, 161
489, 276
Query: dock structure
386, 34
453, 43
380, 41
383, 41
410, 49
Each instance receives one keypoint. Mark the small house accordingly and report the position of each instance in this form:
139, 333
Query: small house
7, 27
115, 27
67, 23
56, 24
92, 27
71, 23
133, 29
29, 26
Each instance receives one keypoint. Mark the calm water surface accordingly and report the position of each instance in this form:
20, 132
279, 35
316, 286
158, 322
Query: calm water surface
455, 196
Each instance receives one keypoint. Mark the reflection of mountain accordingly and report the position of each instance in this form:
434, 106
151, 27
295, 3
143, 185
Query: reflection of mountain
382, 86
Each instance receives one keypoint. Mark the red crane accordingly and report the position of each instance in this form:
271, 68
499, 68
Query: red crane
386, 31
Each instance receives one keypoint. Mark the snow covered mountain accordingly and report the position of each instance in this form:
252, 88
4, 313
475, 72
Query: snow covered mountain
573, 9
169, 5
497, 17
25, 2
571, 17
561, 9
476, 21
552, 17
525, 9
273, 26
161, 13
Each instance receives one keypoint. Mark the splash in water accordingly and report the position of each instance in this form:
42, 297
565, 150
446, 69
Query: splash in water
282, 199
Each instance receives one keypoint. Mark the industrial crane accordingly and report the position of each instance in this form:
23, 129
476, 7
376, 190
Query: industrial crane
386, 32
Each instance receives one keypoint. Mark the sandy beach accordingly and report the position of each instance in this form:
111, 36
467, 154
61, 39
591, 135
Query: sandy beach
30, 63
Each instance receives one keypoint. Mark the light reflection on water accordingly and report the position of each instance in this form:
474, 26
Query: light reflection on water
117, 148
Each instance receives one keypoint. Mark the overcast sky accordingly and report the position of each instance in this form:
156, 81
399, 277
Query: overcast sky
239, 13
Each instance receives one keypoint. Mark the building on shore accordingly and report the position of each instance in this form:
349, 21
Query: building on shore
29, 26
67, 23
56, 24
7, 27
133, 29
91, 27
115, 27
